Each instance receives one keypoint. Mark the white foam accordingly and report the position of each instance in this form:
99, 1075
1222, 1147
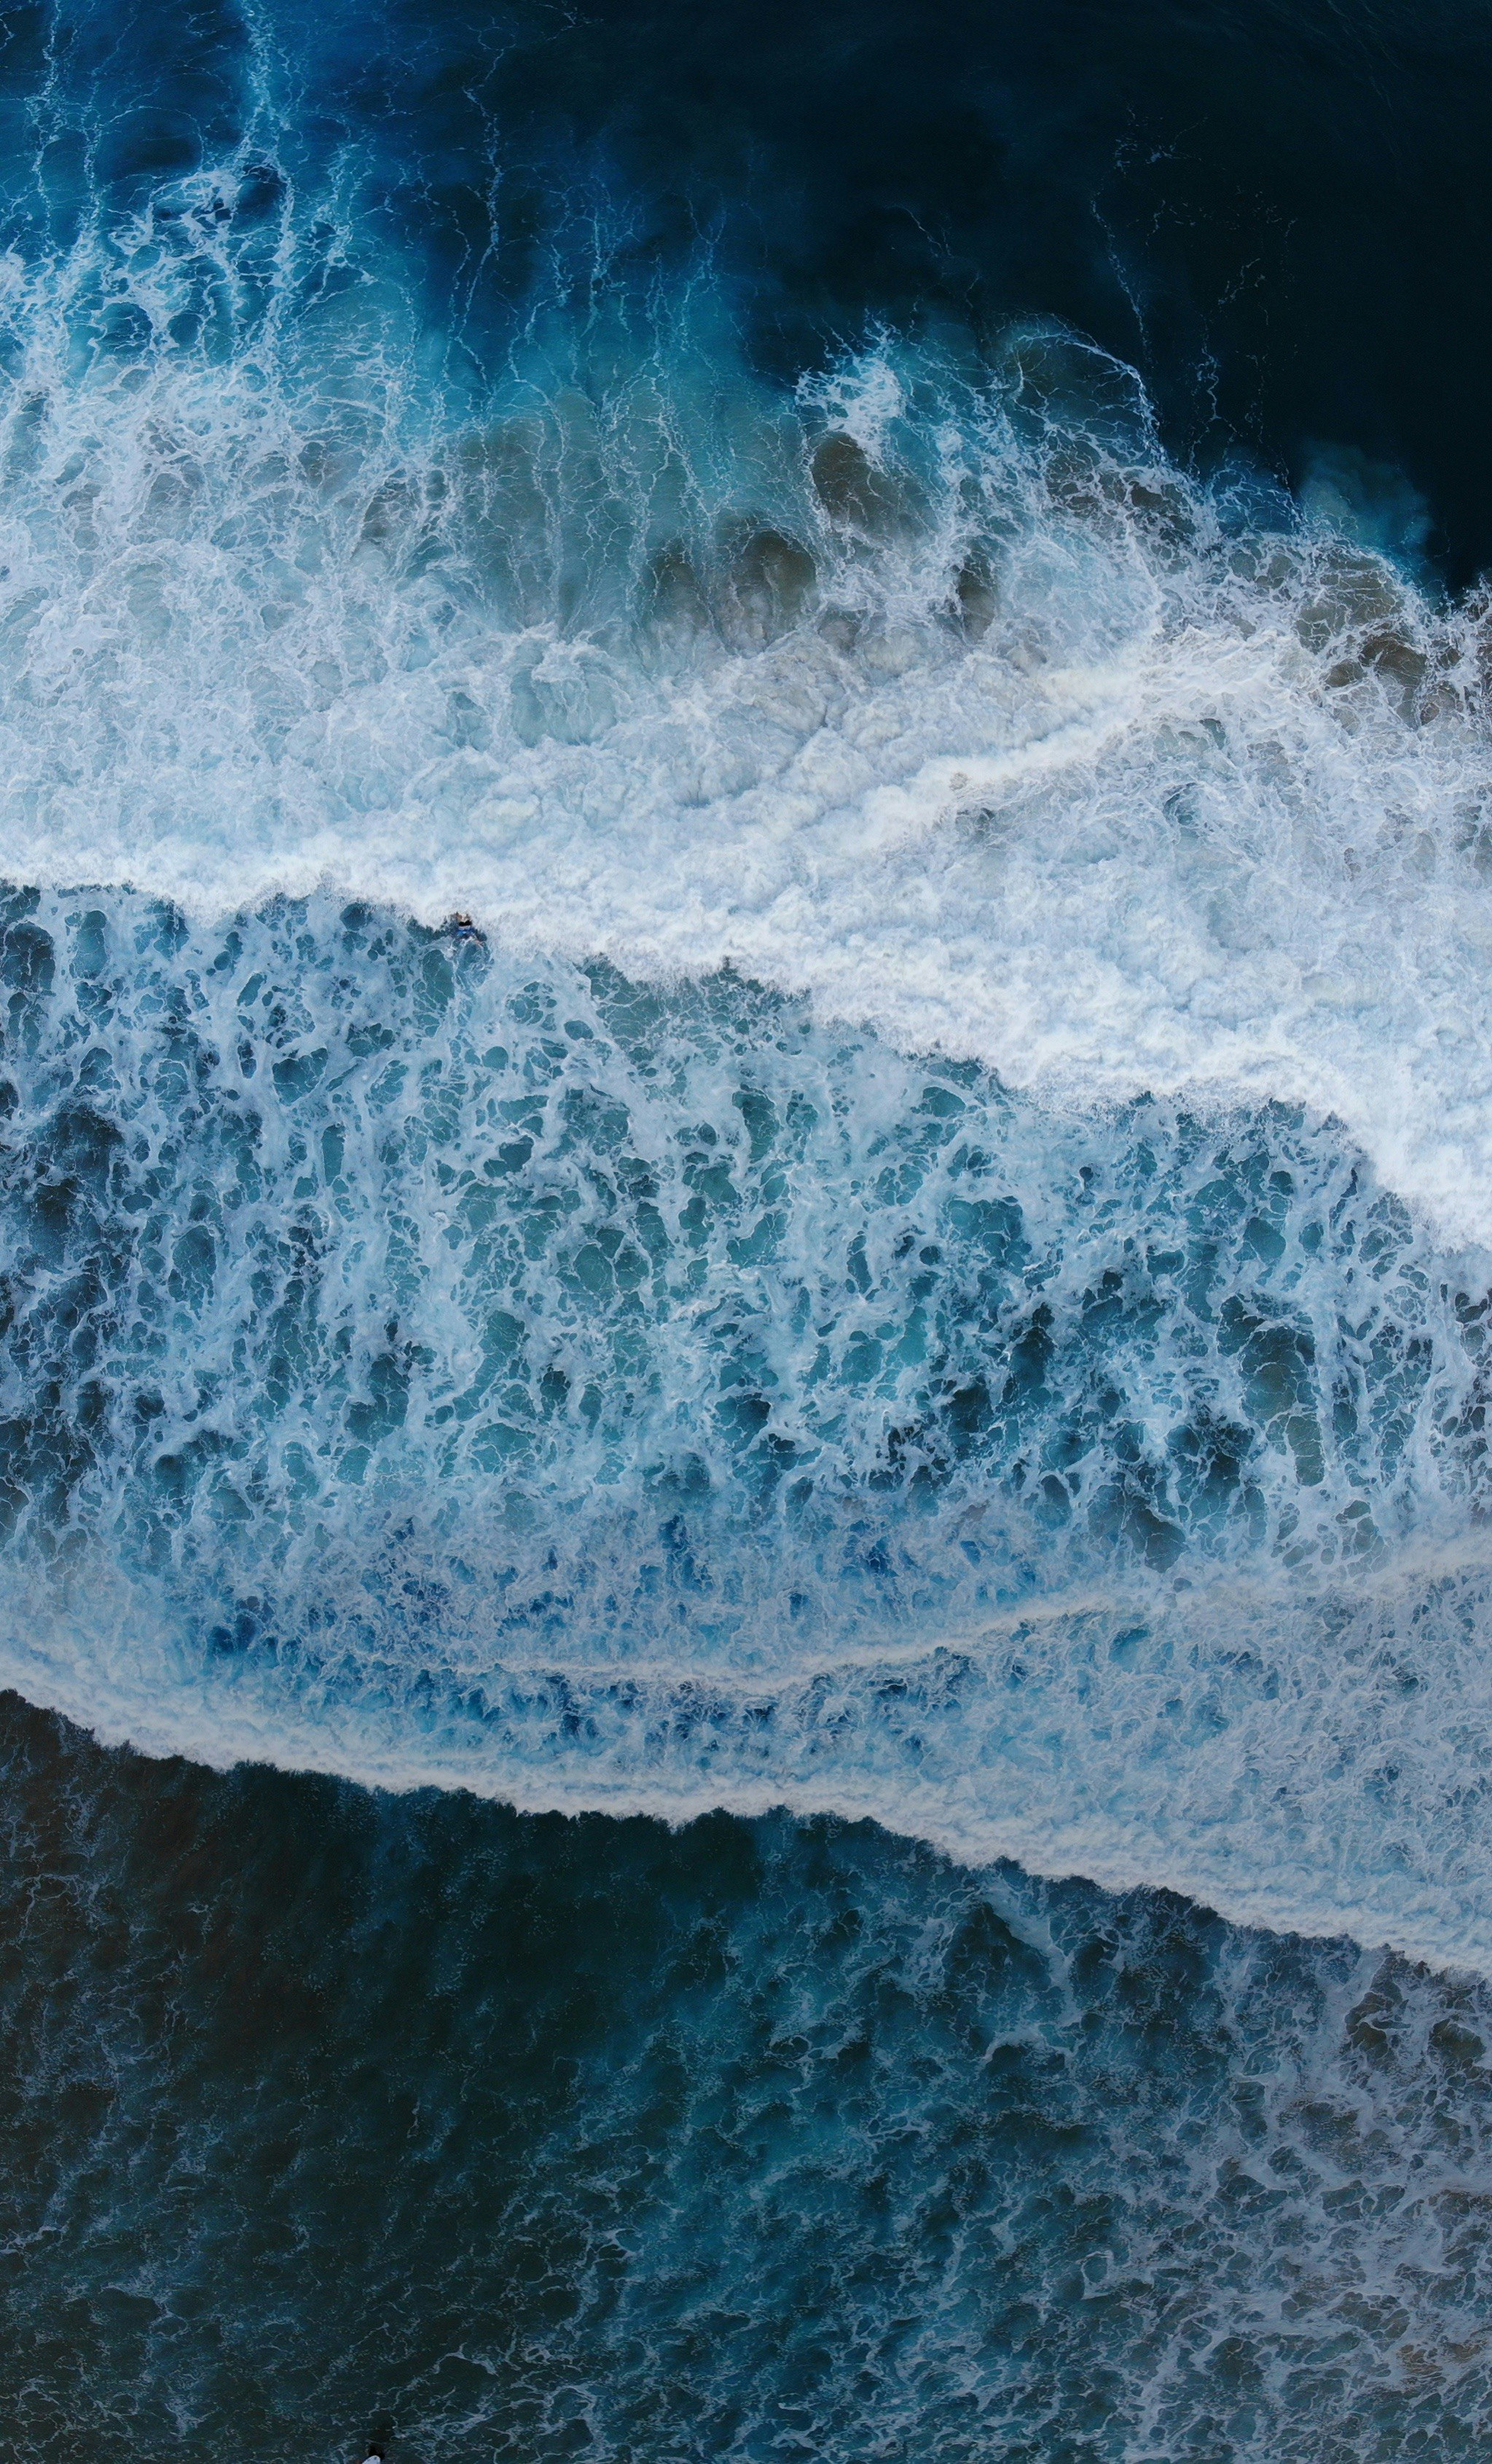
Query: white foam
1293, 1761
1056, 763
1185, 818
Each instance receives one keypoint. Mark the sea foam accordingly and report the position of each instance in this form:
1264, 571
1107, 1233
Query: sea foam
947, 703
432, 1369
603, 1362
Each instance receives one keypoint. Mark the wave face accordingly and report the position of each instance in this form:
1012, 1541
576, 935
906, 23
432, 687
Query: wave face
745, 1074
950, 704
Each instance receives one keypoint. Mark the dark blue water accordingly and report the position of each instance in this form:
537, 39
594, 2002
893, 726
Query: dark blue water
745, 1233
546, 2137
1276, 213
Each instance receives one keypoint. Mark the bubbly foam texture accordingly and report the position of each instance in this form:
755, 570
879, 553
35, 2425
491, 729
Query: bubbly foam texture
595, 1364
423, 1367
939, 698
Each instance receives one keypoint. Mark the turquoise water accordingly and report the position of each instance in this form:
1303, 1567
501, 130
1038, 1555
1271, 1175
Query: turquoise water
747, 1132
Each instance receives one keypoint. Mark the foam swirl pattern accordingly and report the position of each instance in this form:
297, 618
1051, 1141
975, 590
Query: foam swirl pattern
426, 1367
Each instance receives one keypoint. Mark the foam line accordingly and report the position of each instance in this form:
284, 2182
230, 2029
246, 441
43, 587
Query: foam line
1293, 1781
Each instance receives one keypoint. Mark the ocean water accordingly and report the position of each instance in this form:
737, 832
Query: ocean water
747, 1232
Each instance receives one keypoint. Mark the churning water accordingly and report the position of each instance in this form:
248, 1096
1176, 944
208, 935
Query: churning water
748, 1073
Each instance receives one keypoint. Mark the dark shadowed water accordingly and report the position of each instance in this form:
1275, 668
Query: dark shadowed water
543, 2137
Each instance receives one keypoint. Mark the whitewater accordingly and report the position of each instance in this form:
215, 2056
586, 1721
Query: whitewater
921, 1251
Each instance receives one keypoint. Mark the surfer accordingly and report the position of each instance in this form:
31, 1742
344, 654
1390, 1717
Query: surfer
461, 928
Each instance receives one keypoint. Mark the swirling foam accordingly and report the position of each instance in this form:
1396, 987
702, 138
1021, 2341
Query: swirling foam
439, 1361
942, 700
424, 1369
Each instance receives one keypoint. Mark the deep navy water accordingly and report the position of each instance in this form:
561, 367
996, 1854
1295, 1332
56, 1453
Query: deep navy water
745, 1233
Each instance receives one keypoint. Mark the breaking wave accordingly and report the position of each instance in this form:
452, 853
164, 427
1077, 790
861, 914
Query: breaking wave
917, 1248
